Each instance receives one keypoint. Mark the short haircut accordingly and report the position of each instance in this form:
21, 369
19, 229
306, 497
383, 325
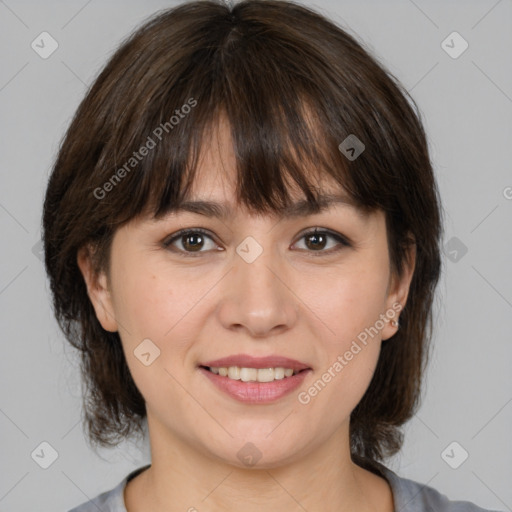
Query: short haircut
293, 86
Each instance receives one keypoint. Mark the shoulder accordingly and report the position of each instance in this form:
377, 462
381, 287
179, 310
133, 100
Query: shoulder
411, 496
109, 501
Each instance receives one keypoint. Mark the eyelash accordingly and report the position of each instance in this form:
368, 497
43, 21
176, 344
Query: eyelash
343, 242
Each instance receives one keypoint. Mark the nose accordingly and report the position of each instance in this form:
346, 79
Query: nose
256, 297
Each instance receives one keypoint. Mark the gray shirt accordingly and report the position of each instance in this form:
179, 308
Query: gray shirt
408, 495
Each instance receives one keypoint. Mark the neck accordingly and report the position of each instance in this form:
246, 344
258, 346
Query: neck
321, 479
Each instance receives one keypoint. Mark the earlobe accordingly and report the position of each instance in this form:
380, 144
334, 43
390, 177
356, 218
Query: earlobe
397, 297
404, 283
97, 290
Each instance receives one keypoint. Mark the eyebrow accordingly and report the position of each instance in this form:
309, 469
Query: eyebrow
301, 208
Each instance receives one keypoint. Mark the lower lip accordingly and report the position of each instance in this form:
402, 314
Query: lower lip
256, 392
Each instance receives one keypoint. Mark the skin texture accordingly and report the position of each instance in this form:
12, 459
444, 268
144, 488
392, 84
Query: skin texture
290, 301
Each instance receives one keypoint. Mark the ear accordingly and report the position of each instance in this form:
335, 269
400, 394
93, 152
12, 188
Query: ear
97, 289
399, 291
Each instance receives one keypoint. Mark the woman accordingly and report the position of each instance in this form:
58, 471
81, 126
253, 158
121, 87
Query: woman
242, 236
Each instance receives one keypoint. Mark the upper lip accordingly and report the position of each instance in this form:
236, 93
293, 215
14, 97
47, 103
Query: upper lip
247, 361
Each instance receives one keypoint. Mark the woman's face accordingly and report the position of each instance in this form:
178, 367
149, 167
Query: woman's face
258, 286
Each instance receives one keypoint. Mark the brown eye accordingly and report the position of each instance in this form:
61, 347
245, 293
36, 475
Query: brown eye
189, 241
317, 241
192, 242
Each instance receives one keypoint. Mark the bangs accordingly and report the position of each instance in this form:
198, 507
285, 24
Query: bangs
286, 124
275, 151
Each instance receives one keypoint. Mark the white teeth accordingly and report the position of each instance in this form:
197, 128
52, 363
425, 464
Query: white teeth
248, 374
253, 374
266, 374
234, 373
278, 373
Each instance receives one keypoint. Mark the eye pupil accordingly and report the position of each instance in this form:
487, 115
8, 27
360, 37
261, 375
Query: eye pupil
193, 246
316, 237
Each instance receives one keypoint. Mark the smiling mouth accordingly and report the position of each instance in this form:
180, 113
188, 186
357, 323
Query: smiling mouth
245, 374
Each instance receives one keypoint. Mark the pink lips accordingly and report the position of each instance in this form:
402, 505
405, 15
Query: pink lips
247, 361
256, 392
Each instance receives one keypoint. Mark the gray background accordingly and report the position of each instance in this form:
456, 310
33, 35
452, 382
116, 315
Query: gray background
467, 107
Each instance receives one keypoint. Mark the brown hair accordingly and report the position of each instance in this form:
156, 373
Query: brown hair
293, 86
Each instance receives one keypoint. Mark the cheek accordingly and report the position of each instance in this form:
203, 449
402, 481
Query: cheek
347, 299
350, 355
350, 305
148, 309
153, 304
145, 302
